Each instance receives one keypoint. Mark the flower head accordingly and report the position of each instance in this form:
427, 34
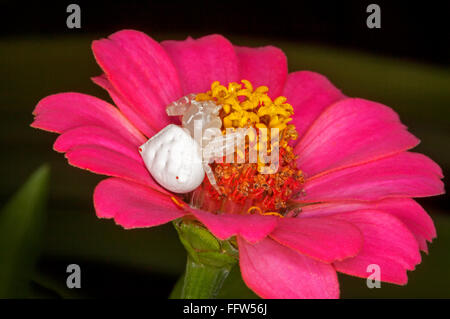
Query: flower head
339, 201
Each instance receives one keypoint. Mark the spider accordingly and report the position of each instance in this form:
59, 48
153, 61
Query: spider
179, 157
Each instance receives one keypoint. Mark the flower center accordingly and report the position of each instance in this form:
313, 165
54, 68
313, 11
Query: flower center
246, 187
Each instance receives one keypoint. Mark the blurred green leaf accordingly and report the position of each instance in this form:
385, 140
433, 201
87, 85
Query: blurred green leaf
45, 286
21, 222
155, 249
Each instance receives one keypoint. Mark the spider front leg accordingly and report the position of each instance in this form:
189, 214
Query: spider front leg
217, 147
180, 106
210, 175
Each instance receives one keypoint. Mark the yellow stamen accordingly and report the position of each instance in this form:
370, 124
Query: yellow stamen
272, 214
177, 202
254, 208
244, 106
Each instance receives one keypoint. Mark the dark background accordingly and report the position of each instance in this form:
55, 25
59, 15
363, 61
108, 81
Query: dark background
405, 65
417, 30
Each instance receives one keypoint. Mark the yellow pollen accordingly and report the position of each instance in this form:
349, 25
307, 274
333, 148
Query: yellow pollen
243, 106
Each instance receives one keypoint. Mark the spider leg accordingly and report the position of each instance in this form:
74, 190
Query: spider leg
221, 145
210, 175
180, 106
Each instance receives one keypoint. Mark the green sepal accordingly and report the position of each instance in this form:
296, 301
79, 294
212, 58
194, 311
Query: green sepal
209, 261
204, 247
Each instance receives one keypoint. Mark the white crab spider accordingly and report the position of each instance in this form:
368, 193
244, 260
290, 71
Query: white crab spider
176, 160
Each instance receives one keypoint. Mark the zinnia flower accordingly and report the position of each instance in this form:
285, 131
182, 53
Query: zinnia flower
342, 202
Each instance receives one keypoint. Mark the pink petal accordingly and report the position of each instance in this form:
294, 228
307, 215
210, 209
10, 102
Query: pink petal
141, 72
202, 61
62, 112
263, 66
353, 131
128, 110
403, 175
274, 271
132, 205
309, 93
422, 243
96, 136
405, 209
387, 243
105, 161
322, 238
251, 227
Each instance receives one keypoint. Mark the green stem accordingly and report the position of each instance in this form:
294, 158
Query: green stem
209, 261
202, 281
